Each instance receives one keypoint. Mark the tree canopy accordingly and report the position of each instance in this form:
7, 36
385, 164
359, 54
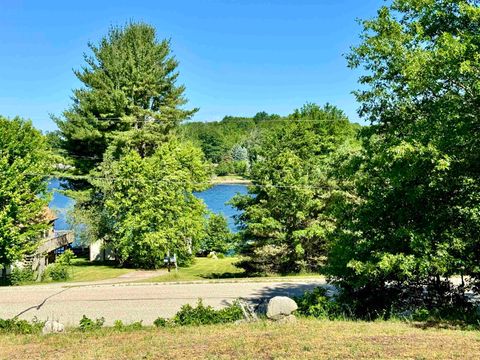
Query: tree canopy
129, 92
24, 162
410, 220
284, 222
136, 193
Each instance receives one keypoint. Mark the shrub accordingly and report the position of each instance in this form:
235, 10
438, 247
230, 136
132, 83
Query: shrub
206, 315
240, 168
17, 326
160, 322
120, 326
57, 272
87, 324
66, 258
224, 168
19, 276
317, 304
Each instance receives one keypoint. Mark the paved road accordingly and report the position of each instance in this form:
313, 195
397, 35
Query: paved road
132, 302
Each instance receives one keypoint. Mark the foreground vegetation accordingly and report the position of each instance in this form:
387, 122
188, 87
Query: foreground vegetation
309, 339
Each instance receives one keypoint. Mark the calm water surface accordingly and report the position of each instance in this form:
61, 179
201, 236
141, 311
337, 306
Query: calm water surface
215, 198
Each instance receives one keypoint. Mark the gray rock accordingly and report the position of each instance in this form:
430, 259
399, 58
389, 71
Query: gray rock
280, 306
52, 327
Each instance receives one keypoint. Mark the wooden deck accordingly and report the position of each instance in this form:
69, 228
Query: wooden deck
61, 239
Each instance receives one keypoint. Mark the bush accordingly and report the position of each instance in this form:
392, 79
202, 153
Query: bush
66, 258
57, 272
87, 324
19, 276
17, 326
160, 322
240, 168
206, 315
317, 304
224, 168
120, 326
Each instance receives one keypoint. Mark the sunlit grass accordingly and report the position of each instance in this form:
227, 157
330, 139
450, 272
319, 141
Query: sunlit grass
83, 270
305, 339
204, 268
208, 269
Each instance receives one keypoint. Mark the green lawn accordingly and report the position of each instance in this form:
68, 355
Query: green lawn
83, 270
203, 268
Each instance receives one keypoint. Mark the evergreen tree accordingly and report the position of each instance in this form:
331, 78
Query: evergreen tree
136, 195
284, 219
129, 92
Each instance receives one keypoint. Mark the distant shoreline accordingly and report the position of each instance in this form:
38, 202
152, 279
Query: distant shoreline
230, 180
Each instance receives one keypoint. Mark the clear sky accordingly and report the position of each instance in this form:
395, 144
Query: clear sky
237, 57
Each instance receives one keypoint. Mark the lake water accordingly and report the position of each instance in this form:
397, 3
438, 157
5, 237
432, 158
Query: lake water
215, 198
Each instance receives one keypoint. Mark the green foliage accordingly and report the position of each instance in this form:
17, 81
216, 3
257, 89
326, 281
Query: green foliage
232, 139
317, 304
57, 272
284, 219
60, 270
66, 258
206, 315
218, 236
24, 160
129, 96
87, 324
138, 195
120, 326
148, 208
240, 168
17, 326
161, 322
409, 220
224, 168
19, 276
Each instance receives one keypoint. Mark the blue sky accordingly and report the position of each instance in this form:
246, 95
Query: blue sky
237, 57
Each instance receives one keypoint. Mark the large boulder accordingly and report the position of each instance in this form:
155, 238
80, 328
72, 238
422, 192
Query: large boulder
280, 306
52, 327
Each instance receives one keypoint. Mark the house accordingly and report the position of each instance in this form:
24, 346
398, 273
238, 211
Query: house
50, 242
99, 251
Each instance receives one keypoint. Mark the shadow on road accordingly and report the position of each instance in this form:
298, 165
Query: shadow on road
283, 289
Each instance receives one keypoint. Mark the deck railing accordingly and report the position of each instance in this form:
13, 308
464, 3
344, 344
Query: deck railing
60, 239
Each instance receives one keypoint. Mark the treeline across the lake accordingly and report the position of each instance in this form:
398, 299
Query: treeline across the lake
389, 212
234, 144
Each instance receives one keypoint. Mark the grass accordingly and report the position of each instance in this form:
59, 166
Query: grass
305, 339
203, 268
83, 270
207, 269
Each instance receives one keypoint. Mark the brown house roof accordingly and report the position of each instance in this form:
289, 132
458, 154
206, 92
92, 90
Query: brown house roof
49, 214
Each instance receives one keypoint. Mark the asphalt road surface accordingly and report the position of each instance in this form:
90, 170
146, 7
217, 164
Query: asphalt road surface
132, 302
